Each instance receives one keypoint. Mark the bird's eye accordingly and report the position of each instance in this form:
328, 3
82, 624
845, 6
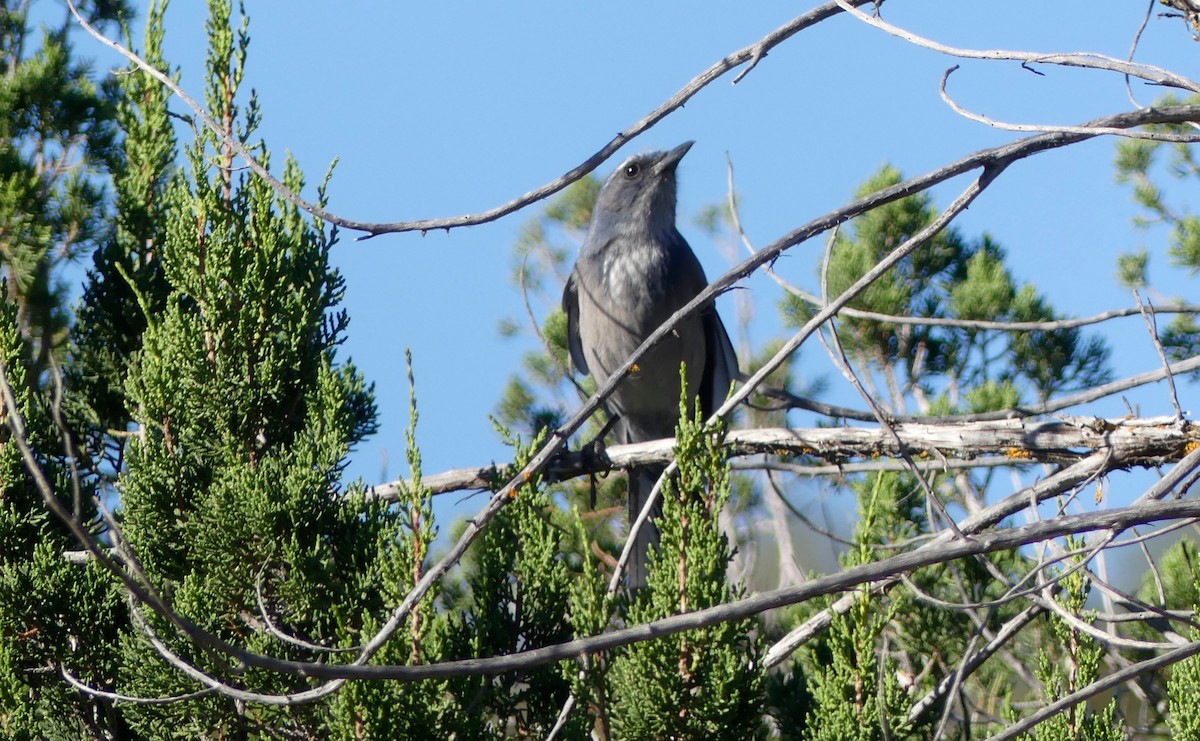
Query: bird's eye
632, 170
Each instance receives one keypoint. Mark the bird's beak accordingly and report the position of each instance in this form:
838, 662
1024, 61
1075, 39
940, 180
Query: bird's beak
671, 160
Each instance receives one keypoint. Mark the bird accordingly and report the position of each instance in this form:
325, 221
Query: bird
633, 271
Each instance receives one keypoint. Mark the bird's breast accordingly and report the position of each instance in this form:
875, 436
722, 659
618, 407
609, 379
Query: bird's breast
635, 276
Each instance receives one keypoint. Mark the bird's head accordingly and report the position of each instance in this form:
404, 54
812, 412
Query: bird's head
640, 193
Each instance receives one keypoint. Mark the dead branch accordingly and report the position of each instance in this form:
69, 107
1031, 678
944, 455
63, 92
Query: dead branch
1130, 441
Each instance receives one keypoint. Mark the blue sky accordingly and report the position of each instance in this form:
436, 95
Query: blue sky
439, 109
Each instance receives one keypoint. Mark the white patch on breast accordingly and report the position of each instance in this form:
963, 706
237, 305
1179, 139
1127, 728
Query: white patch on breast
627, 274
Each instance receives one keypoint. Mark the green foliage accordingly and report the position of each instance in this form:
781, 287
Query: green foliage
1142, 165
1072, 662
993, 396
387, 710
126, 284
1178, 574
53, 614
855, 693
1132, 269
862, 675
519, 591
704, 683
950, 278
231, 491
1183, 693
56, 138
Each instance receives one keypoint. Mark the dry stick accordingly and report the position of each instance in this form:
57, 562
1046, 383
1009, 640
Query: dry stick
636, 526
285, 637
1137, 37
842, 470
1156, 136
200, 677
1150, 73
563, 715
1147, 611
957, 677
1050, 603
935, 321
74, 681
752, 54
1149, 314
777, 508
1047, 407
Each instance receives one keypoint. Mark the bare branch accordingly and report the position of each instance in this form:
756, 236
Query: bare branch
752, 54
1047, 407
1149, 314
1137, 37
1088, 60
1014, 441
1156, 136
132, 699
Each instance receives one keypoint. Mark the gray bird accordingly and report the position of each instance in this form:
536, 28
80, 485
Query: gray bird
634, 271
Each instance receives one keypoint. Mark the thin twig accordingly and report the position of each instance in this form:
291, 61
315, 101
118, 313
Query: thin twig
1148, 314
1137, 37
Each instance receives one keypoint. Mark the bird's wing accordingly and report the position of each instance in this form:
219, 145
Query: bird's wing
570, 304
720, 362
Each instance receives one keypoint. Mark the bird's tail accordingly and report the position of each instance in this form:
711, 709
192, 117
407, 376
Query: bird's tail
641, 483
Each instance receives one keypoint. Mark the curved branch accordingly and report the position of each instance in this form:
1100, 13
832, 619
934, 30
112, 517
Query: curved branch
981, 543
752, 54
74, 681
1087, 60
1155, 136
